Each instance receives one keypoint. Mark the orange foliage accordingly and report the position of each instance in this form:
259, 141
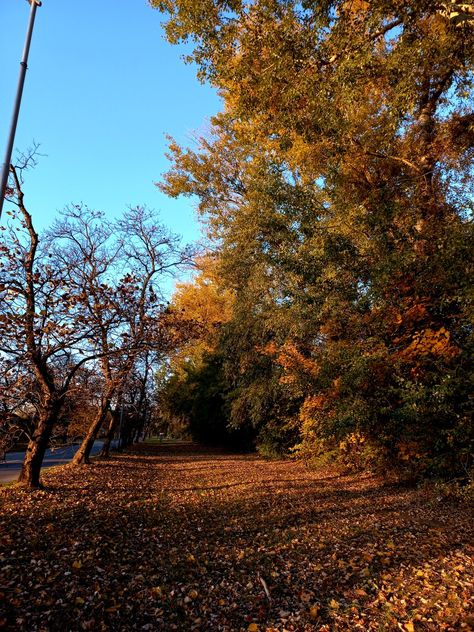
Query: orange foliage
292, 361
430, 342
412, 315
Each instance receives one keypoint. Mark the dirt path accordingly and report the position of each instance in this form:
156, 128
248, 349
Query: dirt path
180, 539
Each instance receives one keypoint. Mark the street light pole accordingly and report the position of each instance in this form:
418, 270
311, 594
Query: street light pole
16, 108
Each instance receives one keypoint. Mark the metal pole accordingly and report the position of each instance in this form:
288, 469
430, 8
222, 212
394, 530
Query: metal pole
16, 108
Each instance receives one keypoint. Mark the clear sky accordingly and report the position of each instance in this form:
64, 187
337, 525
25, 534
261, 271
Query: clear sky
102, 89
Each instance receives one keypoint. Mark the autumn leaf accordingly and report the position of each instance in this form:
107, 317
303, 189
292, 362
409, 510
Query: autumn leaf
314, 612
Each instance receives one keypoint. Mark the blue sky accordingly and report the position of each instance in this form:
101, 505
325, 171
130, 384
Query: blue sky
102, 89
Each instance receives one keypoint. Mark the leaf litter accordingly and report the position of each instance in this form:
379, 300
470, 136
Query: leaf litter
182, 538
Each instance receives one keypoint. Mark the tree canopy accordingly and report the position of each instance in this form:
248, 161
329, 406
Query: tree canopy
336, 185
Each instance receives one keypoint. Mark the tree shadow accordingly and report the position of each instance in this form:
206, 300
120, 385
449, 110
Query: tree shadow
311, 539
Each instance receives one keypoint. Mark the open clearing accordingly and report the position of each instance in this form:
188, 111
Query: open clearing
182, 538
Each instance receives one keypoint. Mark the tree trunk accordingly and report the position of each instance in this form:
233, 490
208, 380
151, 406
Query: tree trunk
110, 435
31, 468
82, 455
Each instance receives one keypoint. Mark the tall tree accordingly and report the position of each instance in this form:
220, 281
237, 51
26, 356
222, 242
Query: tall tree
337, 184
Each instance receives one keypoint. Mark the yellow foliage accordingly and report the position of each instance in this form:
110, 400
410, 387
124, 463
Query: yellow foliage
356, 6
200, 307
311, 405
354, 440
203, 300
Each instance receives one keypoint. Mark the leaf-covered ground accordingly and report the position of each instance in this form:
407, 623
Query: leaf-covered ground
174, 538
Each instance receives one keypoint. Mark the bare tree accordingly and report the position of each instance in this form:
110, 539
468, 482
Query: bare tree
117, 268
43, 325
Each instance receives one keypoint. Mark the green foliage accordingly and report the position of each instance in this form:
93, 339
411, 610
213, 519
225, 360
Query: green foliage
276, 439
195, 400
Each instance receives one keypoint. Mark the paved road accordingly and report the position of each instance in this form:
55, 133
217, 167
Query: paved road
10, 468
